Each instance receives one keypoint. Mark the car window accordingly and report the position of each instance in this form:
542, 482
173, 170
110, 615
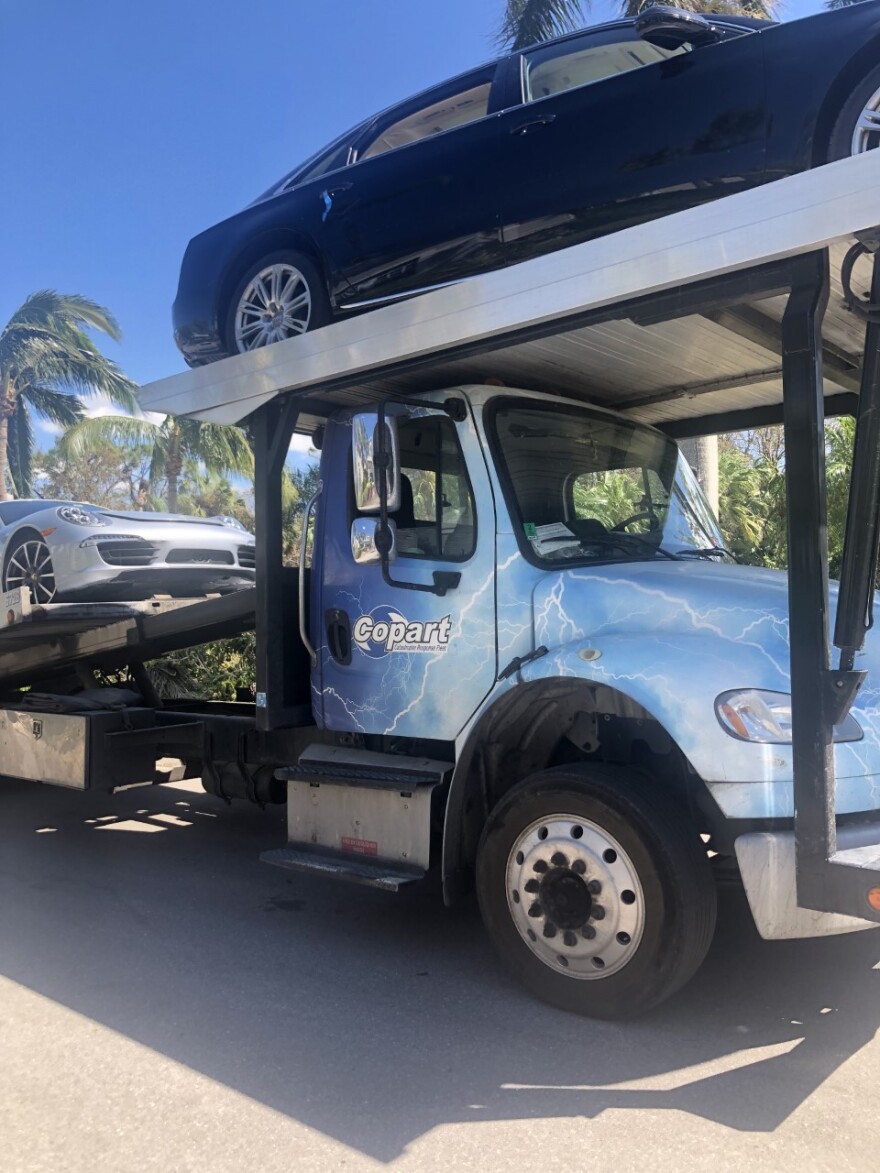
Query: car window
436, 514
337, 157
446, 114
552, 69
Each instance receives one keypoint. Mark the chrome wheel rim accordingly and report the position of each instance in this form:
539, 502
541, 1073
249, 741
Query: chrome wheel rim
866, 135
575, 897
30, 565
276, 304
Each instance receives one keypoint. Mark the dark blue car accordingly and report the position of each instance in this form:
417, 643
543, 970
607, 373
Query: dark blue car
541, 149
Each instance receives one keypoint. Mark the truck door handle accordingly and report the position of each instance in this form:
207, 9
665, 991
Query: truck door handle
338, 627
533, 124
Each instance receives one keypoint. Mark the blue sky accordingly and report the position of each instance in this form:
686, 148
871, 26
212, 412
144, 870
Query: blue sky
129, 127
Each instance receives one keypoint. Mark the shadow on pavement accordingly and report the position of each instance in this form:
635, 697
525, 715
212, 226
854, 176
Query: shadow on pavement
375, 1018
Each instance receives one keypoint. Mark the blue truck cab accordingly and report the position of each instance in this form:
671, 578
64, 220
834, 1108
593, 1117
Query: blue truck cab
536, 667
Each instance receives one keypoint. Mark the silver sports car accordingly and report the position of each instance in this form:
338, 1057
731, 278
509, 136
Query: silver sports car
65, 550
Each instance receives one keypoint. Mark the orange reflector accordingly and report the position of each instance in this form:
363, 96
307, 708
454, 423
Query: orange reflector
46, 532
873, 898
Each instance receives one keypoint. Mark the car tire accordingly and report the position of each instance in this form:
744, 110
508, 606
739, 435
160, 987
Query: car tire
616, 860
27, 554
297, 276
846, 134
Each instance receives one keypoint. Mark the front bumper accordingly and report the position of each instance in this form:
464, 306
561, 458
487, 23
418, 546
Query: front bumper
767, 866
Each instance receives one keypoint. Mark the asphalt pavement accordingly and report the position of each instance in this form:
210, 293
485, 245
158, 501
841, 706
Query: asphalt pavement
168, 1002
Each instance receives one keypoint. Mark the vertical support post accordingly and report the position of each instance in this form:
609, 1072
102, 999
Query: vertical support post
859, 565
812, 726
276, 620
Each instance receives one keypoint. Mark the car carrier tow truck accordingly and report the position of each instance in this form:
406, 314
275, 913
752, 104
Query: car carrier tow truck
588, 716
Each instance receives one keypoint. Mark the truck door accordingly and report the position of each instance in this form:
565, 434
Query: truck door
394, 660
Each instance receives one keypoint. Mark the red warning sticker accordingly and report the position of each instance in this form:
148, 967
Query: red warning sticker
360, 846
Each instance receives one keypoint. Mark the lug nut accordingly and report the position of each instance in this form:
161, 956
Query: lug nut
536, 910
540, 865
558, 860
598, 912
549, 929
531, 885
579, 867
588, 932
569, 938
595, 887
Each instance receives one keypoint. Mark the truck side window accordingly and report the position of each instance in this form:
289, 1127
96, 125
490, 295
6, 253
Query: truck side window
436, 514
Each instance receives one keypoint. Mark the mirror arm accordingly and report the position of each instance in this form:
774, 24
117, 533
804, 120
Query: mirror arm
443, 580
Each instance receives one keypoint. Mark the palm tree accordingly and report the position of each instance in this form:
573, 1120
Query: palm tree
525, 22
220, 449
46, 361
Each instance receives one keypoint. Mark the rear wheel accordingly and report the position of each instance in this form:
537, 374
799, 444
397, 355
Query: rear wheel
29, 564
596, 890
279, 296
857, 128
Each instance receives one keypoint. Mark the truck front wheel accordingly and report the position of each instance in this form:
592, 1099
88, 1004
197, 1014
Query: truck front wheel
596, 889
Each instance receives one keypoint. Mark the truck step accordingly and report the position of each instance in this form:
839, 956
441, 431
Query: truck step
379, 874
346, 766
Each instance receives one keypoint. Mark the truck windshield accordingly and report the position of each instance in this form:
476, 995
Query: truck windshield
592, 487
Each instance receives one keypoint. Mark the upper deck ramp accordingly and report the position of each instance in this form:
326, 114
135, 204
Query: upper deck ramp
560, 323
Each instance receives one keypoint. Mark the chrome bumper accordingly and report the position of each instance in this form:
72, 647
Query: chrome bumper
767, 866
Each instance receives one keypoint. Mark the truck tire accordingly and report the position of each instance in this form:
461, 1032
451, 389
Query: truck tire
596, 889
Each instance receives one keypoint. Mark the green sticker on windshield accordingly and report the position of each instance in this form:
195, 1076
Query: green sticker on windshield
531, 530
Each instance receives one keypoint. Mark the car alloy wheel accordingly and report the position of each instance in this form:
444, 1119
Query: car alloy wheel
275, 304
866, 133
30, 565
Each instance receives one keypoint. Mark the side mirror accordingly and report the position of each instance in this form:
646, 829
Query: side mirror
366, 473
365, 548
670, 28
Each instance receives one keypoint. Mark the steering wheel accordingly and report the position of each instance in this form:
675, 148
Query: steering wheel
643, 515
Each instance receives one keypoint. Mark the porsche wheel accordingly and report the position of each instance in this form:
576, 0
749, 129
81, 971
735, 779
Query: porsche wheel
857, 128
280, 296
29, 564
596, 890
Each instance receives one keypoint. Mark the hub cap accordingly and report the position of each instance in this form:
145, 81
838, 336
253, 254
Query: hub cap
575, 897
866, 135
31, 566
277, 304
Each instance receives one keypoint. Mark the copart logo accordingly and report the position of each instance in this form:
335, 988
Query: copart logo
384, 631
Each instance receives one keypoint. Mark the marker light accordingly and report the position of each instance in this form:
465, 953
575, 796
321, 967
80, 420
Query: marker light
751, 714
873, 898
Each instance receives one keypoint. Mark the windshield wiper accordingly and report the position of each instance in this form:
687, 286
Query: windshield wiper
704, 552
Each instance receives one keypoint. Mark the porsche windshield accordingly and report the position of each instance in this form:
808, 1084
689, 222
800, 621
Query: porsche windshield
589, 486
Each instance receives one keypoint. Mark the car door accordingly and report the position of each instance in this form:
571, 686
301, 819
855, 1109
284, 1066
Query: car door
419, 205
393, 660
613, 131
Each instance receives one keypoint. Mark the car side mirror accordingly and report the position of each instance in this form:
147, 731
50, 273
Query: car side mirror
365, 543
670, 28
364, 452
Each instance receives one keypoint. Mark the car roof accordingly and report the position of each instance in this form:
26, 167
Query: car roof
725, 21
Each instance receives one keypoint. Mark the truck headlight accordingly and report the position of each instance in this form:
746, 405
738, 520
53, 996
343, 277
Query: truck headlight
78, 516
752, 714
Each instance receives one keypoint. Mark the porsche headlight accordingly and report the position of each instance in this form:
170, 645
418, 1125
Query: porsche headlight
752, 714
78, 516
227, 519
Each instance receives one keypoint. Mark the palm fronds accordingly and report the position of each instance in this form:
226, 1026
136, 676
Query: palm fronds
526, 22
